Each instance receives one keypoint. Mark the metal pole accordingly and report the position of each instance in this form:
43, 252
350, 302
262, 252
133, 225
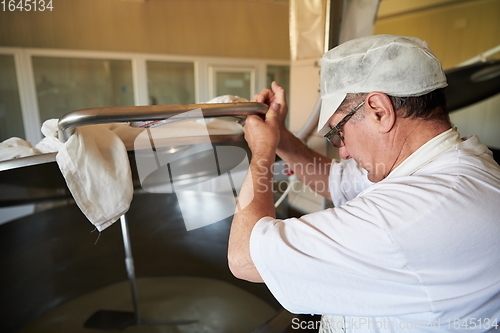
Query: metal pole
129, 264
334, 11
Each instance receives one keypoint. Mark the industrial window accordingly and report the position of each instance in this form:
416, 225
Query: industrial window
171, 82
11, 121
67, 84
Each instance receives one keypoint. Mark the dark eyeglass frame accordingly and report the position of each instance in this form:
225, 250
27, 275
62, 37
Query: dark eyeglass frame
333, 136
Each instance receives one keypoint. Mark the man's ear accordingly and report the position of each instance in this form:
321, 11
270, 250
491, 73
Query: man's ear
379, 107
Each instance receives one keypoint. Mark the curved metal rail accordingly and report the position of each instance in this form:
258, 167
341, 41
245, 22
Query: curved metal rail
103, 115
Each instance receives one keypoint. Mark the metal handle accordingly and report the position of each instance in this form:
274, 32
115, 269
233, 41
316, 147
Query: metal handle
103, 115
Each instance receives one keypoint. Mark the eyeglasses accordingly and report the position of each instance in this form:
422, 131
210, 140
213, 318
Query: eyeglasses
333, 136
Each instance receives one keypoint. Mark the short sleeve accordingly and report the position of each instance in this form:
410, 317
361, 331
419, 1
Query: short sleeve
322, 264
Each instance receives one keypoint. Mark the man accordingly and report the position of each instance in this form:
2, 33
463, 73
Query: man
413, 243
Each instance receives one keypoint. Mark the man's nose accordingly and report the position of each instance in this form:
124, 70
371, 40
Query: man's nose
343, 153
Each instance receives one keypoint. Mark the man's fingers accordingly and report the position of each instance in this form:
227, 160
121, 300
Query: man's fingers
271, 117
272, 113
263, 97
251, 120
275, 106
279, 92
257, 98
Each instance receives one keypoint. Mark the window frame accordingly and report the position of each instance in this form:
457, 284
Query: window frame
202, 68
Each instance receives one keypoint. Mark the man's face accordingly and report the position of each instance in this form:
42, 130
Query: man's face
361, 144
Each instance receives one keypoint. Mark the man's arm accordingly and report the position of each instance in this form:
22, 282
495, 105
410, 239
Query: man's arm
266, 138
309, 166
256, 198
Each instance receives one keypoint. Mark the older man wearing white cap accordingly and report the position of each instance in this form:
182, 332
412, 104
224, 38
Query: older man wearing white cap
413, 243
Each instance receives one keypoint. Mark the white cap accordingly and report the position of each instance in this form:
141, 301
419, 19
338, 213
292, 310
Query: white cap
395, 65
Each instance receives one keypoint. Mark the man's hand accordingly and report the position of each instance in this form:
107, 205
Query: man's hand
263, 135
275, 98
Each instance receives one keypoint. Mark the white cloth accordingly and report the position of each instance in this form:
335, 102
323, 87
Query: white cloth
95, 165
15, 148
227, 99
417, 251
50, 143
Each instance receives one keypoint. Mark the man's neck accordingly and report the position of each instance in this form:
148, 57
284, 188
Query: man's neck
413, 134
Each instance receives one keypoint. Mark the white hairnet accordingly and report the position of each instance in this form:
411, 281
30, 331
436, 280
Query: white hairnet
395, 65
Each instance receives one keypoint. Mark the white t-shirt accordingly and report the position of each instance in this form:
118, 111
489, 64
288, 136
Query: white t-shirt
416, 252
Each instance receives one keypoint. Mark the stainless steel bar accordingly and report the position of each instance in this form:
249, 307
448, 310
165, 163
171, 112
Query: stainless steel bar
103, 115
27, 161
129, 264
